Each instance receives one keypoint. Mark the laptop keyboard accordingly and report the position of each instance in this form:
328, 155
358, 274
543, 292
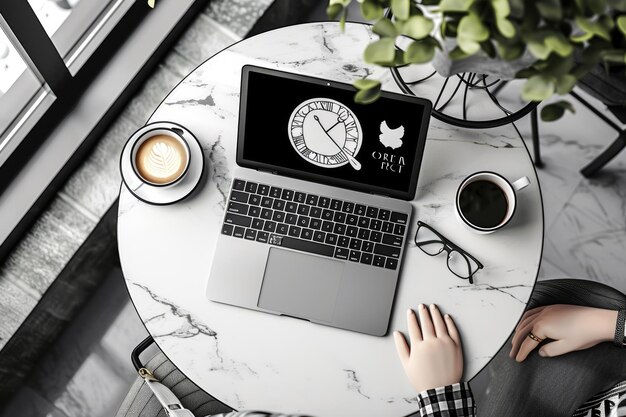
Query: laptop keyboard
315, 224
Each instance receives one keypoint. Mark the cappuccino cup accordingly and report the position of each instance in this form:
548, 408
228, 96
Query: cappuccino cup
160, 157
486, 201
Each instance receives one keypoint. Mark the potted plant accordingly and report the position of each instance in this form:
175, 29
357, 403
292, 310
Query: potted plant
552, 44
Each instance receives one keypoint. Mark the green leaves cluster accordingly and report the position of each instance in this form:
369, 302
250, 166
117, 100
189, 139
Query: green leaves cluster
408, 22
566, 37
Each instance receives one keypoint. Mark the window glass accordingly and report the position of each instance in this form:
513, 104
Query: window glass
69, 22
52, 13
11, 64
18, 86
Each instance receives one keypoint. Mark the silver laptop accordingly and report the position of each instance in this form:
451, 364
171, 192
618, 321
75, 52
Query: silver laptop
317, 218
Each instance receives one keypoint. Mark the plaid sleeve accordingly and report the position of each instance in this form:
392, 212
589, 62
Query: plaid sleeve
609, 403
450, 401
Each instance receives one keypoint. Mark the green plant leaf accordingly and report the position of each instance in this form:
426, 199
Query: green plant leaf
381, 52
555, 111
385, 27
559, 44
517, 8
419, 52
538, 87
468, 46
565, 84
594, 27
550, 9
457, 53
539, 49
505, 27
501, 8
151, 3
471, 27
555, 65
366, 84
369, 91
581, 38
509, 52
607, 22
542, 42
615, 56
333, 10
399, 60
371, 10
471, 32
455, 5
401, 8
597, 6
526, 73
619, 5
621, 24
417, 27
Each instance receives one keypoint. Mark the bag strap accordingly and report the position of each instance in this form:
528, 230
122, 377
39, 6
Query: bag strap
163, 394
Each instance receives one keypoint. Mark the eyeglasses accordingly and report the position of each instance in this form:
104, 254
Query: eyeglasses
432, 243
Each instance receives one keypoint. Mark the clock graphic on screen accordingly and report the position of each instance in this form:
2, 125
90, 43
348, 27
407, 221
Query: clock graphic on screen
326, 133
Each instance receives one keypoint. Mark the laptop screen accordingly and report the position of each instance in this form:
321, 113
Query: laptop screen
312, 129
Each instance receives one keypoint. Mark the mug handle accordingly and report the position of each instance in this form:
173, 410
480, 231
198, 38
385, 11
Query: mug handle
521, 183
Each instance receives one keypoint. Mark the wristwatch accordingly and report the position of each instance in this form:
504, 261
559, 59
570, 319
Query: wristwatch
620, 328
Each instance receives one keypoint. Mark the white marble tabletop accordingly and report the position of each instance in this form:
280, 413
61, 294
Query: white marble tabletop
254, 360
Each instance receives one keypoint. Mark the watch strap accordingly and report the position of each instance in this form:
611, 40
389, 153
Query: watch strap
619, 328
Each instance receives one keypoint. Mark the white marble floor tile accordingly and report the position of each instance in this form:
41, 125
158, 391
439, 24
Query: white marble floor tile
567, 145
548, 271
588, 238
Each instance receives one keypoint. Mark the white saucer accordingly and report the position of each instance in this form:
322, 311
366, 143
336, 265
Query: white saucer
159, 195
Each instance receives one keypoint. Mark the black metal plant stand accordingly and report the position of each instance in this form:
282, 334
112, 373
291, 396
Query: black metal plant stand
470, 83
473, 82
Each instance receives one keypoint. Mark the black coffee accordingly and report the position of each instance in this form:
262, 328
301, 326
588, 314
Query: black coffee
483, 203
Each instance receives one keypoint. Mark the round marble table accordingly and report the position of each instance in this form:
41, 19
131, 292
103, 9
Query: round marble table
254, 360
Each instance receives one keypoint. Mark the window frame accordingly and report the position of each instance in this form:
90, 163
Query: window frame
61, 83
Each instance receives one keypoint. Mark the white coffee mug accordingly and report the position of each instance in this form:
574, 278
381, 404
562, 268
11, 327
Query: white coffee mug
179, 154
508, 188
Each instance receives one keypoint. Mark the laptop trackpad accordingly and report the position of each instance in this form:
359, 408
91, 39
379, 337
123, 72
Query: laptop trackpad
301, 285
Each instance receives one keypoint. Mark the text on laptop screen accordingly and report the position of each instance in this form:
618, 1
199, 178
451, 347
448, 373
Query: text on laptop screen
311, 128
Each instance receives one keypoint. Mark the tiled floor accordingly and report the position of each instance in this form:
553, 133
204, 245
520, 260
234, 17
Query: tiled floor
585, 219
88, 371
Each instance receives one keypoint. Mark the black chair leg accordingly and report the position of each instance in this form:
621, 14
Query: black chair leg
609, 153
535, 133
605, 157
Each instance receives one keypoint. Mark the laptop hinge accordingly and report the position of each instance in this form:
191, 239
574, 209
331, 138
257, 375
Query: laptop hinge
380, 195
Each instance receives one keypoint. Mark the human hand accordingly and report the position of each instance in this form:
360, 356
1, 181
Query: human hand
435, 358
571, 327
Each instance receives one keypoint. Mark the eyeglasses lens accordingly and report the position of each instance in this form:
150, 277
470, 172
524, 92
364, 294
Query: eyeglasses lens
459, 264
428, 241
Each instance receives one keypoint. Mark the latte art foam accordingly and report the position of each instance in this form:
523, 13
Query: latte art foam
161, 159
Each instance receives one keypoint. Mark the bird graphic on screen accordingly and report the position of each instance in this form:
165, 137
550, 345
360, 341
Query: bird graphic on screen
389, 137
